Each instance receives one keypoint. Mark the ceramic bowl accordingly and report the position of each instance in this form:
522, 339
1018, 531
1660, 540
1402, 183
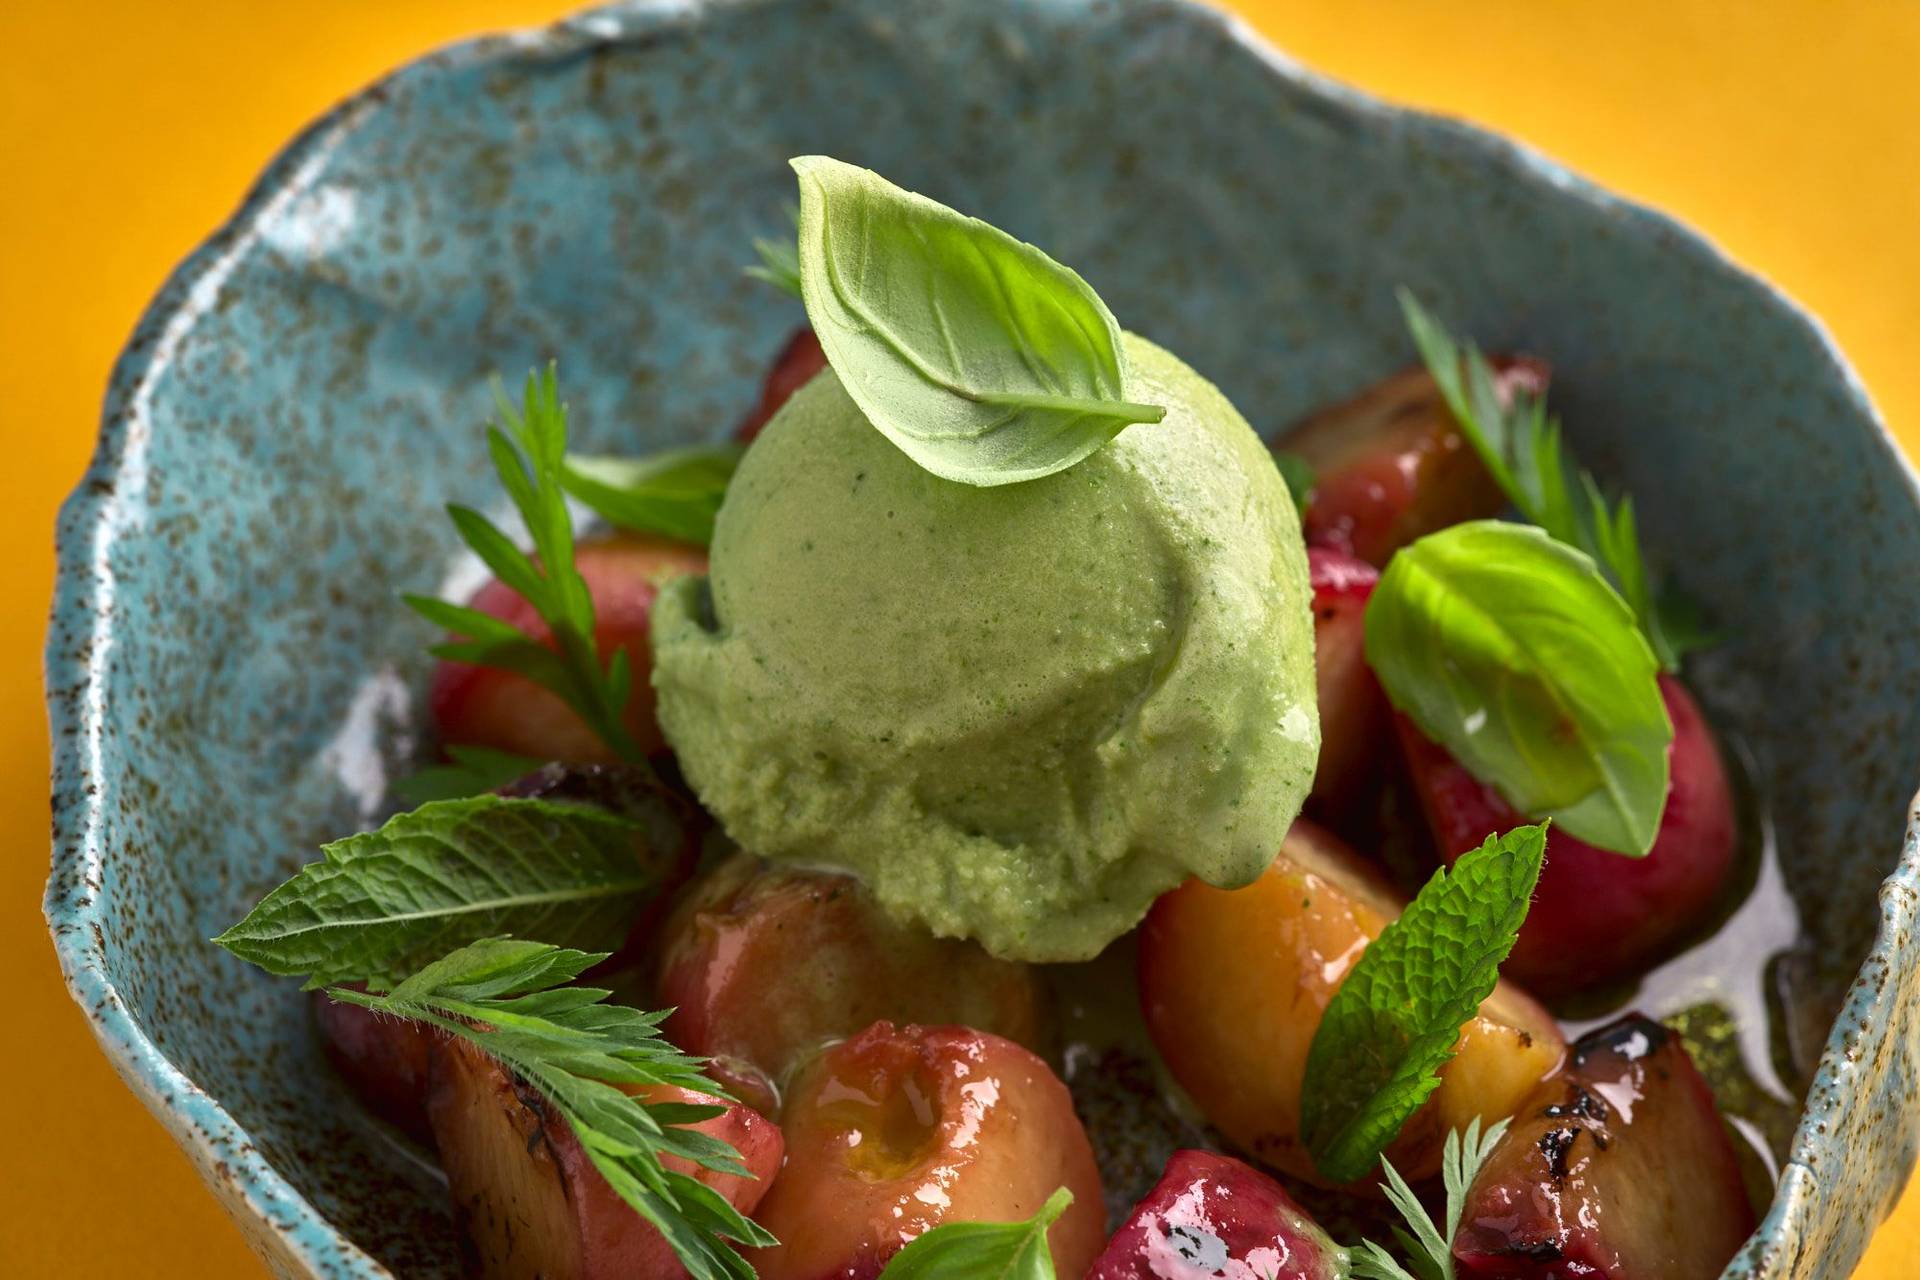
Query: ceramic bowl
231, 680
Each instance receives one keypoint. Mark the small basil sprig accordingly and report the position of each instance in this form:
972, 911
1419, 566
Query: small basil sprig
1394, 1020
975, 1250
983, 359
1511, 650
675, 494
447, 874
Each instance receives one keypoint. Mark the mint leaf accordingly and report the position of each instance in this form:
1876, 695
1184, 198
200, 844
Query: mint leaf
447, 874
529, 454
1426, 1244
674, 494
983, 1250
1396, 1018
469, 771
1513, 652
510, 999
1523, 449
985, 360
1299, 475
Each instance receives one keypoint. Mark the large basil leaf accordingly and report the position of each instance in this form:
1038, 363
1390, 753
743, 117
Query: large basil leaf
985, 360
1513, 652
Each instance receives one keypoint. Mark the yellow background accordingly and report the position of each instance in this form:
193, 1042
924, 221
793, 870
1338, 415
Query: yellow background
1789, 130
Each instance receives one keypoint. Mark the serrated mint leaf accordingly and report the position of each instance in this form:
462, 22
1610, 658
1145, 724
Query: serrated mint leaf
985, 360
1510, 650
983, 1250
1396, 1018
448, 874
674, 494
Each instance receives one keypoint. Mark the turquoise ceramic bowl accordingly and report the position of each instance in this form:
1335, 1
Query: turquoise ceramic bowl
230, 680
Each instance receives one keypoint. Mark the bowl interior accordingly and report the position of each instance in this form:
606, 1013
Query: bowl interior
232, 681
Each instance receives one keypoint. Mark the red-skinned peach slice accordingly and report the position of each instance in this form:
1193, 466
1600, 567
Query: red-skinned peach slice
530, 1203
486, 707
1355, 725
1620, 1169
383, 1058
1391, 465
1598, 916
792, 369
766, 964
1233, 984
901, 1129
1210, 1217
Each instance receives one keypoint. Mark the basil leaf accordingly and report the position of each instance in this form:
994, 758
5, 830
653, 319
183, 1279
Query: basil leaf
985, 360
1512, 651
675, 494
1396, 1018
983, 1250
448, 874
1523, 449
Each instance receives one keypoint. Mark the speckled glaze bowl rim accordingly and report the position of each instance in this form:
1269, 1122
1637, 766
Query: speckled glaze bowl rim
91, 520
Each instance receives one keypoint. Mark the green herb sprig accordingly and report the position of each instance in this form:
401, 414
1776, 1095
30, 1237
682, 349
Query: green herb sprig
529, 450
467, 771
983, 359
977, 1250
1395, 1019
379, 904
779, 263
513, 1001
1511, 650
1524, 449
1428, 1248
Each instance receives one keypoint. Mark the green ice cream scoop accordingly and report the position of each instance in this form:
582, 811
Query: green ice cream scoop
1017, 713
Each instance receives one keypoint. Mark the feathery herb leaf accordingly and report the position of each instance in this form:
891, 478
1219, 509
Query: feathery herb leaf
509, 998
529, 448
1429, 1249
